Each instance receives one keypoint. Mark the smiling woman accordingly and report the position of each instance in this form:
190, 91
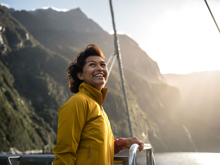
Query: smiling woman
84, 134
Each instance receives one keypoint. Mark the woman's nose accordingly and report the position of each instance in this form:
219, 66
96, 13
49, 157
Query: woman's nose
99, 67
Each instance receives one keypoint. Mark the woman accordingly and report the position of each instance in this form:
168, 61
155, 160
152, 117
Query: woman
84, 134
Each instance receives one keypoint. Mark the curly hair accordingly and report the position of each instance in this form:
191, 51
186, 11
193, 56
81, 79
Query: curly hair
78, 63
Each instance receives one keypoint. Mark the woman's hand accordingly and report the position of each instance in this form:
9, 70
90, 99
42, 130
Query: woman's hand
134, 140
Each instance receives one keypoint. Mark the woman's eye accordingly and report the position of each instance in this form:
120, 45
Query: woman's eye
92, 64
103, 65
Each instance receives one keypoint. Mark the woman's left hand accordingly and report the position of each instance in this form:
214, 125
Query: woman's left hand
134, 140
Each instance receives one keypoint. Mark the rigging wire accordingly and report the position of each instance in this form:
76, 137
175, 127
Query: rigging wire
110, 59
112, 63
212, 15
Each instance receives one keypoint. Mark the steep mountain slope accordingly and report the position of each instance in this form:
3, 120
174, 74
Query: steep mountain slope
39, 78
20, 125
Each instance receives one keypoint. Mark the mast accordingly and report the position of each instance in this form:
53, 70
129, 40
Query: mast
117, 51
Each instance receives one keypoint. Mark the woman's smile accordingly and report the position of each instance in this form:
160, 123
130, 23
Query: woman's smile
99, 75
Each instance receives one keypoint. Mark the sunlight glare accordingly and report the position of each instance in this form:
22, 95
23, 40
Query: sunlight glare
187, 39
207, 158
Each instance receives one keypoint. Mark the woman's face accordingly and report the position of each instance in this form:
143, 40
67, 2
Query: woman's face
95, 72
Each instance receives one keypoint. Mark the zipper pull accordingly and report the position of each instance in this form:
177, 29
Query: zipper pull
88, 152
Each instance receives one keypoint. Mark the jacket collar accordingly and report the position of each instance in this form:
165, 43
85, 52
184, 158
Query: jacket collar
96, 95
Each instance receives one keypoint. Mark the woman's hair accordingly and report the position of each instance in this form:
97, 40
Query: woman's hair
77, 66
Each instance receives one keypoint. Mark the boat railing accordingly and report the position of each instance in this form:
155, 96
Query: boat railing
134, 158
140, 158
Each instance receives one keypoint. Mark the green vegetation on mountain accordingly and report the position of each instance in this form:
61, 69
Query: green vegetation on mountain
20, 126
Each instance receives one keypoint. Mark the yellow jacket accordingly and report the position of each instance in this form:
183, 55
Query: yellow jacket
84, 134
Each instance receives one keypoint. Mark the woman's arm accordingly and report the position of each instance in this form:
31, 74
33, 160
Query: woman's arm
120, 144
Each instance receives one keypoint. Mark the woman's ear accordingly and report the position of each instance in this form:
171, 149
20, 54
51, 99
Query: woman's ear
80, 76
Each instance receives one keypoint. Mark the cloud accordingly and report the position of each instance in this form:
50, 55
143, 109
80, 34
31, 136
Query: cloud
6, 5
54, 8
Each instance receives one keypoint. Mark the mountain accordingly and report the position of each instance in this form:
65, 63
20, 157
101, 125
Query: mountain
36, 49
200, 93
69, 32
20, 125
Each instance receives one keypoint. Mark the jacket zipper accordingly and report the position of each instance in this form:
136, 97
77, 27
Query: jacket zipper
107, 134
107, 129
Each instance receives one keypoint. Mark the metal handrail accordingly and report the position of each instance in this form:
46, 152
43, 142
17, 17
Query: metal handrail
149, 154
9, 159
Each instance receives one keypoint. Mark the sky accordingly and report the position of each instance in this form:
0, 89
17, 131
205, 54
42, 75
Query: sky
180, 35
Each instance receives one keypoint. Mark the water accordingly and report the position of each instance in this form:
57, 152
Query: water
184, 158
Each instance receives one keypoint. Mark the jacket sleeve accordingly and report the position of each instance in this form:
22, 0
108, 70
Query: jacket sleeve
72, 118
120, 144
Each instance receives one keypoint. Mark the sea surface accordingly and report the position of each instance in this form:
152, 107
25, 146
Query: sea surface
187, 158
